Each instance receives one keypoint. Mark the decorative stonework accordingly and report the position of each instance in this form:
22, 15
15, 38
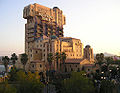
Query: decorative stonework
44, 34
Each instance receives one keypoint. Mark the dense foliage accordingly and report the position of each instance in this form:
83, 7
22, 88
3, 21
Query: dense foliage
6, 62
7, 88
21, 82
14, 58
24, 59
78, 83
107, 87
100, 58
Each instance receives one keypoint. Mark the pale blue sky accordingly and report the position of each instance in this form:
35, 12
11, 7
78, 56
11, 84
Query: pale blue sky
94, 22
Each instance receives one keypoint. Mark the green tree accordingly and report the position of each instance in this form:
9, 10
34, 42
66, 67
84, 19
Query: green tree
33, 76
57, 58
96, 76
100, 58
20, 76
113, 71
24, 83
24, 59
12, 74
107, 87
14, 58
5, 62
78, 83
109, 60
6, 88
29, 82
104, 68
50, 59
30, 76
63, 58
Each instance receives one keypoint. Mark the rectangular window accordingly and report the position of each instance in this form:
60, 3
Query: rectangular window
40, 65
44, 45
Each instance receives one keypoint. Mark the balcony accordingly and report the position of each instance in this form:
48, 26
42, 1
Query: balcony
31, 31
54, 31
30, 26
49, 29
30, 35
30, 39
60, 32
39, 32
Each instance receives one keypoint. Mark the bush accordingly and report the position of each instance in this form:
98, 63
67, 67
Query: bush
21, 82
7, 88
78, 83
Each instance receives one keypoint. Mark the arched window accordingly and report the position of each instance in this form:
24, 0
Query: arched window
40, 65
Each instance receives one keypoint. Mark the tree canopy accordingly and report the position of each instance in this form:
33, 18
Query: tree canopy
100, 58
6, 88
107, 87
14, 58
24, 59
6, 62
23, 82
50, 59
78, 83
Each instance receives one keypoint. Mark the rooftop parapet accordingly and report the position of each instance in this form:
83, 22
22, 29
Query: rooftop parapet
47, 14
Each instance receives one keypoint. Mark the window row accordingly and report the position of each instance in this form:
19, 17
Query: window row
33, 66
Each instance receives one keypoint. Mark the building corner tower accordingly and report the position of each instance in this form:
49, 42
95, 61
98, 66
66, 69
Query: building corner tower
42, 23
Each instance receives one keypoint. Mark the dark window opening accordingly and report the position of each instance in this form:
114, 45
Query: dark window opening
78, 70
33, 66
40, 65
36, 51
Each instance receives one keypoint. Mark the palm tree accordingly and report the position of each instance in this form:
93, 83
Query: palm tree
24, 59
50, 59
5, 62
14, 58
57, 58
63, 58
109, 60
100, 58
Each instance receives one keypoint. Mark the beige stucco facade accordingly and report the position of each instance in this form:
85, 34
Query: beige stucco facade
44, 34
78, 65
37, 66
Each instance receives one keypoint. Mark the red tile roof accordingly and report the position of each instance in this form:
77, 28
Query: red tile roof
77, 61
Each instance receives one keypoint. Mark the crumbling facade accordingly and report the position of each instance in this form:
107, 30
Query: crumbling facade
42, 22
44, 34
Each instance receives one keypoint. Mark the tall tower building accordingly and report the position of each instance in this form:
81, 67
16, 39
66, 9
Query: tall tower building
44, 35
42, 22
